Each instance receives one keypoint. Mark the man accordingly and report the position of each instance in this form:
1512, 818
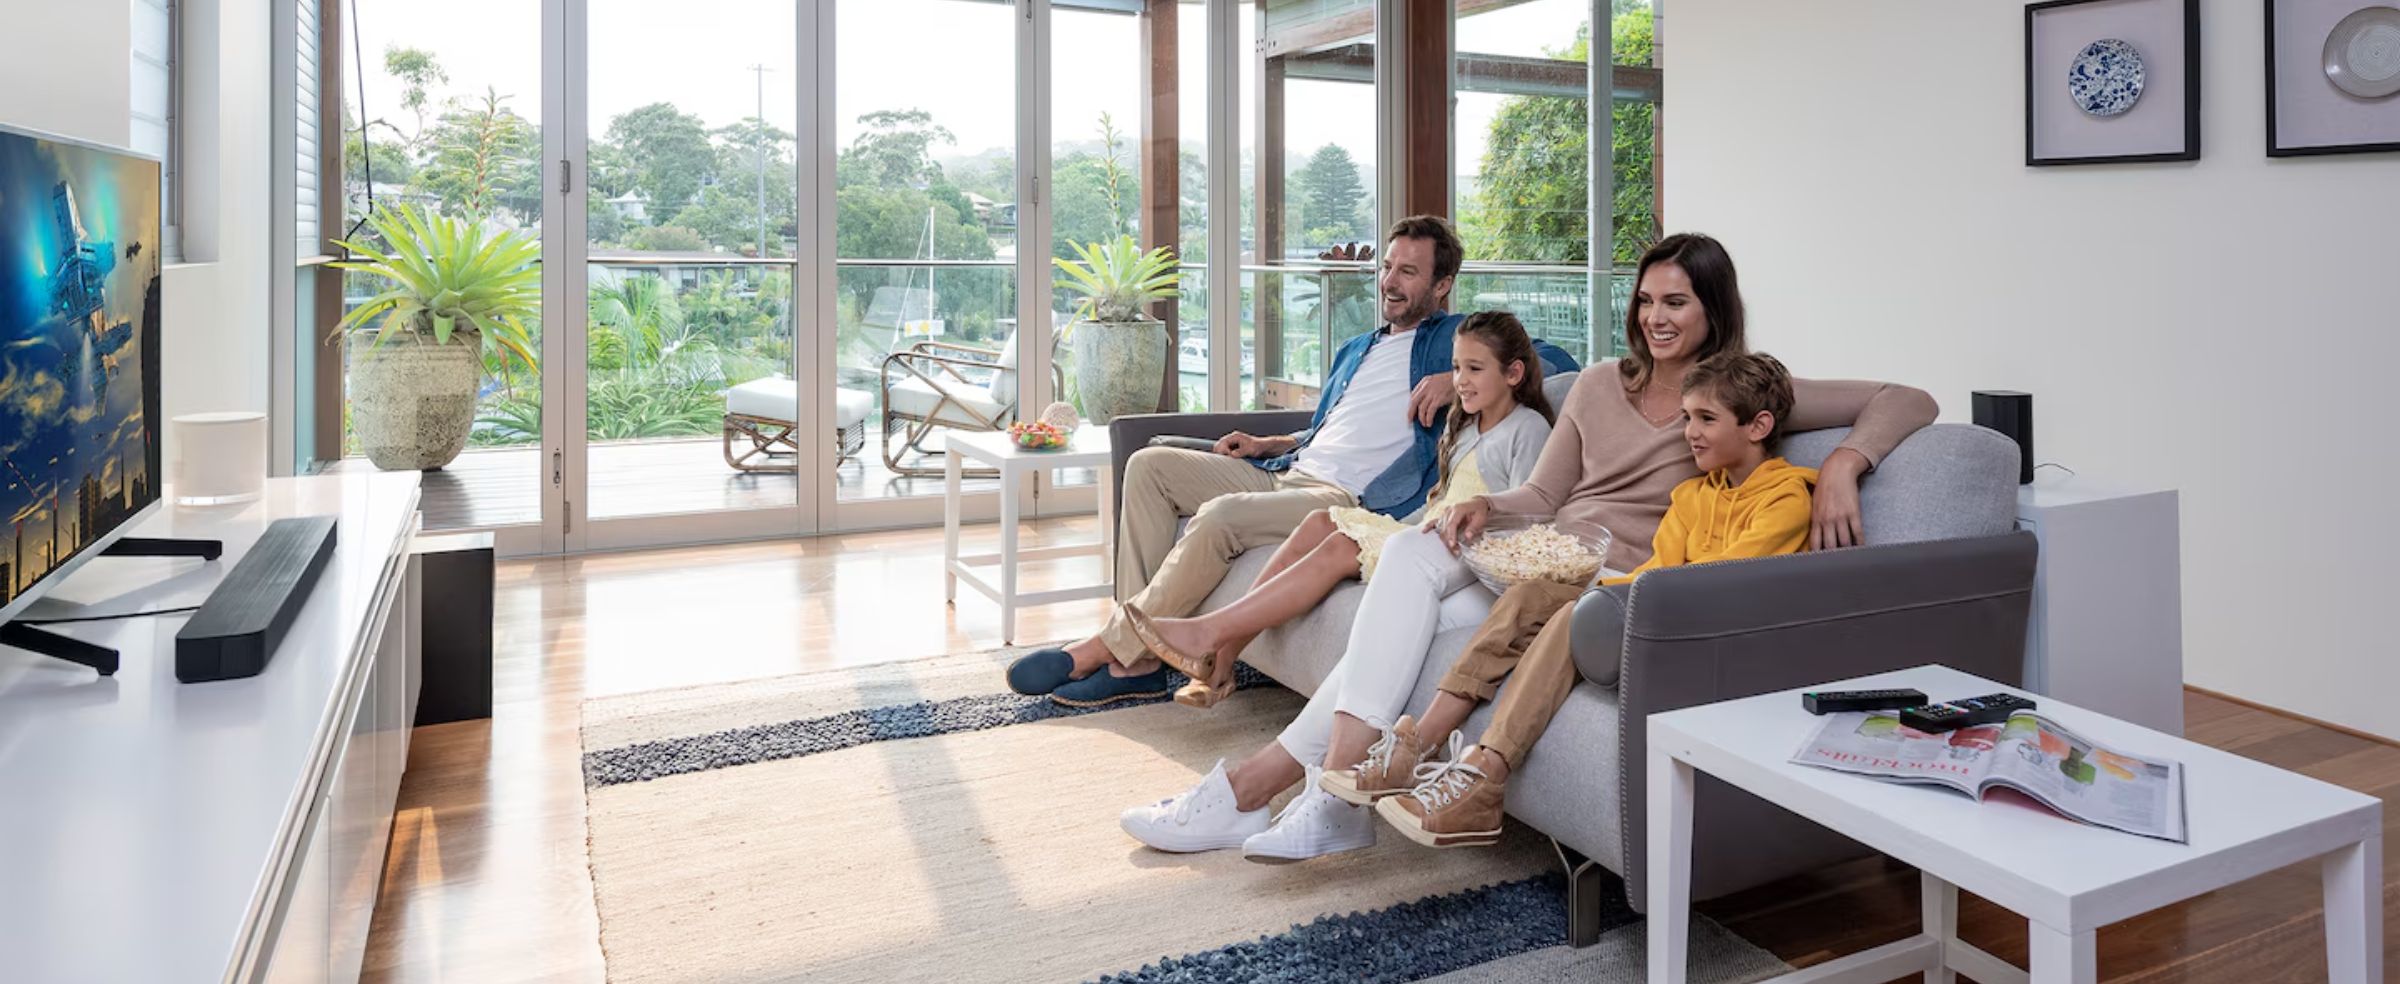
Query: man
1371, 443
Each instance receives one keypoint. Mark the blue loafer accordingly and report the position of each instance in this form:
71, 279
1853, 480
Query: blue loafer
1040, 671
1102, 688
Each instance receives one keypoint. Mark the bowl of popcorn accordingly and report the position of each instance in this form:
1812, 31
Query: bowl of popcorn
1038, 435
1512, 549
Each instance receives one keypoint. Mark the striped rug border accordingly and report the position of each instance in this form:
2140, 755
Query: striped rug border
645, 761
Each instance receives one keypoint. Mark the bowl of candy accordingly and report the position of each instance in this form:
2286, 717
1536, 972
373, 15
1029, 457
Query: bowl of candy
1038, 435
1512, 549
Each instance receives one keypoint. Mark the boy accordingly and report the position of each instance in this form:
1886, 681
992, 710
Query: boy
1745, 503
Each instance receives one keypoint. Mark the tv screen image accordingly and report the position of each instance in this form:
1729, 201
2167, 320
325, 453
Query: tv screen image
79, 351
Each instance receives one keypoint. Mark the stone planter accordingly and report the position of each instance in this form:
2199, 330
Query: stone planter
1119, 366
412, 402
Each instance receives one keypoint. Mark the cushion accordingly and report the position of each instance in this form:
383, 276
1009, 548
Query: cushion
1944, 482
773, 398
1556, 387
914, 397
851, 406
777, 398
1004, 382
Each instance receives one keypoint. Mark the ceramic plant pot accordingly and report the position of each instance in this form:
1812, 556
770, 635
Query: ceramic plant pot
1119, 366
412, 401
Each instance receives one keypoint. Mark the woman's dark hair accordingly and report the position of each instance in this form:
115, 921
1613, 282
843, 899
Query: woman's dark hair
1719, 292
1501, 332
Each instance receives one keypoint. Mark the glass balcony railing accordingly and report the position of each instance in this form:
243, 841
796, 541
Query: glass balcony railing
1304, 311
669, 334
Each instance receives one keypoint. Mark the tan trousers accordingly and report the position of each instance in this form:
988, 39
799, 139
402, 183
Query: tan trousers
1234, 507
1526, 639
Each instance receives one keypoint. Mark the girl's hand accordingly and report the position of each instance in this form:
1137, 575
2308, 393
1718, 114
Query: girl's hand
1834, 517
1462, 522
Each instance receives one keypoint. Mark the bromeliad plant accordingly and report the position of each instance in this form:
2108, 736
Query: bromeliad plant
449, 278
1117, 280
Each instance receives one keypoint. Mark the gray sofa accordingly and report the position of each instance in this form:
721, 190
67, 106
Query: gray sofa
1944, 578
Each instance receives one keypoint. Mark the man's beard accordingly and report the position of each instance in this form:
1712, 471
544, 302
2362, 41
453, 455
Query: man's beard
1418, 310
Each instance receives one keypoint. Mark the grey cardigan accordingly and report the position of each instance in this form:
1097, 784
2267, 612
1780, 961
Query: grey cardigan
1503, 455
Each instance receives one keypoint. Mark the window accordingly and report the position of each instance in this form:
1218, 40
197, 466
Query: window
156, 127
310, 107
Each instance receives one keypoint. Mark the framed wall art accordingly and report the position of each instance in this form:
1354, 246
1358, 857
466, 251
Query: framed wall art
2112, 81
2333, 77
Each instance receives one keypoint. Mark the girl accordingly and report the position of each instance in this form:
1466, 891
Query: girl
1498, 422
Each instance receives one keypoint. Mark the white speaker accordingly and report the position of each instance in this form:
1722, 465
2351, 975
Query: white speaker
219, 458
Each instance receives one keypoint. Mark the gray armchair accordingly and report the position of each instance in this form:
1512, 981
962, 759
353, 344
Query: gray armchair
1944, 578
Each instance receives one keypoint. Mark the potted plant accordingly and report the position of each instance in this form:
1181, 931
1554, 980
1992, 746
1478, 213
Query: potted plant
455, 288
1120, 351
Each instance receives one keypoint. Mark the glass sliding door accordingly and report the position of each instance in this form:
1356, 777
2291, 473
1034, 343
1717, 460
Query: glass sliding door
691, 404
925, 308
1310, 144
1521, 184
444, 116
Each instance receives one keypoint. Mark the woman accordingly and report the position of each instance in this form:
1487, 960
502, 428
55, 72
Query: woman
1616, 452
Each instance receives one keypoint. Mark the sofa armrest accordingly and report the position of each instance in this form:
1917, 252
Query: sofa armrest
1132, 432
1713, 632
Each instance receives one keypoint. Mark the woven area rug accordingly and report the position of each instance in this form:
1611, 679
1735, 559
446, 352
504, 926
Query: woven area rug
915, 822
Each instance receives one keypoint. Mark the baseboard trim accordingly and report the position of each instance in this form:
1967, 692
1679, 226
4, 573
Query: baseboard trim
2296, 716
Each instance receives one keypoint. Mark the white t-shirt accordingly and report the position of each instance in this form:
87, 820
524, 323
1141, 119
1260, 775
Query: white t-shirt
1369, 429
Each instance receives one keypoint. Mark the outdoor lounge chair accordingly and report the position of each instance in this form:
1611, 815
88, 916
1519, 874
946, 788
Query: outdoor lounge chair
760, 413
945, 385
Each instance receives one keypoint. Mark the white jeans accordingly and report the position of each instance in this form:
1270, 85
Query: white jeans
1419, 591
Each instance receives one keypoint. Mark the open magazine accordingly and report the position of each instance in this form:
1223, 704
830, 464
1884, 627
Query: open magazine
2028, 753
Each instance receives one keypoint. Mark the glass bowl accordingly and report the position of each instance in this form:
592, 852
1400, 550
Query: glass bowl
1500, 571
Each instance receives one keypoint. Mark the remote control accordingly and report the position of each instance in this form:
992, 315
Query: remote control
1933, 719
1992, 708
1835, 701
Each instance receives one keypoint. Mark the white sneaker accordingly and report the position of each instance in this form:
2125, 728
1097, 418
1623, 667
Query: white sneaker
1202, 818
1313, 824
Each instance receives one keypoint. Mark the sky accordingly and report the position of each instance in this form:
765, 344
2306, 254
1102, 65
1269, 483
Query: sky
952, 58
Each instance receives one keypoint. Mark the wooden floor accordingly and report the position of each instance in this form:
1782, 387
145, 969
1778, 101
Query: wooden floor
489, 488
487, 881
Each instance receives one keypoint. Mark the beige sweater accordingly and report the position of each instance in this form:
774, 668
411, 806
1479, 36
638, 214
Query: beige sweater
1605, 464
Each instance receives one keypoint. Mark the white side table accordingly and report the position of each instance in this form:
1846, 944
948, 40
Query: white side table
2244, 819
2107, 619
1088, 449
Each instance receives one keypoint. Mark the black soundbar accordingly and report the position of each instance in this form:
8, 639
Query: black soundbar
244, 619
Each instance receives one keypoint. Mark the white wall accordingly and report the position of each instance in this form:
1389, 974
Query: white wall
64, 68
2226, 327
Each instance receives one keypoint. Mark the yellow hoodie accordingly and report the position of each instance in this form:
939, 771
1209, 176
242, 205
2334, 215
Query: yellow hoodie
1708, 519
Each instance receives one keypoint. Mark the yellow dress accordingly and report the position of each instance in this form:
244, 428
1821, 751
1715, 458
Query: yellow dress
1368, 528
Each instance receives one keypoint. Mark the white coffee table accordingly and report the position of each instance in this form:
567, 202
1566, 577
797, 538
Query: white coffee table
2067, 879
1088, 449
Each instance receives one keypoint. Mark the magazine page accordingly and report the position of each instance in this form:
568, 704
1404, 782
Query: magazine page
2090, 782
1872, 743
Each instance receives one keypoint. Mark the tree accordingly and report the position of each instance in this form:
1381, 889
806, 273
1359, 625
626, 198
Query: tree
668, 155
1331, 197
896, 150
667, 239
1633, 142
1532, 205
728, 211
483, 159
418, 73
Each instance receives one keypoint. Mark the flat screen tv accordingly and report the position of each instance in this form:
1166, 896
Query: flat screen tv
79, 355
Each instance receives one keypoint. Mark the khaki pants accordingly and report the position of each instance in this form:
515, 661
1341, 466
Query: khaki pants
1234, 507
1526, 639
